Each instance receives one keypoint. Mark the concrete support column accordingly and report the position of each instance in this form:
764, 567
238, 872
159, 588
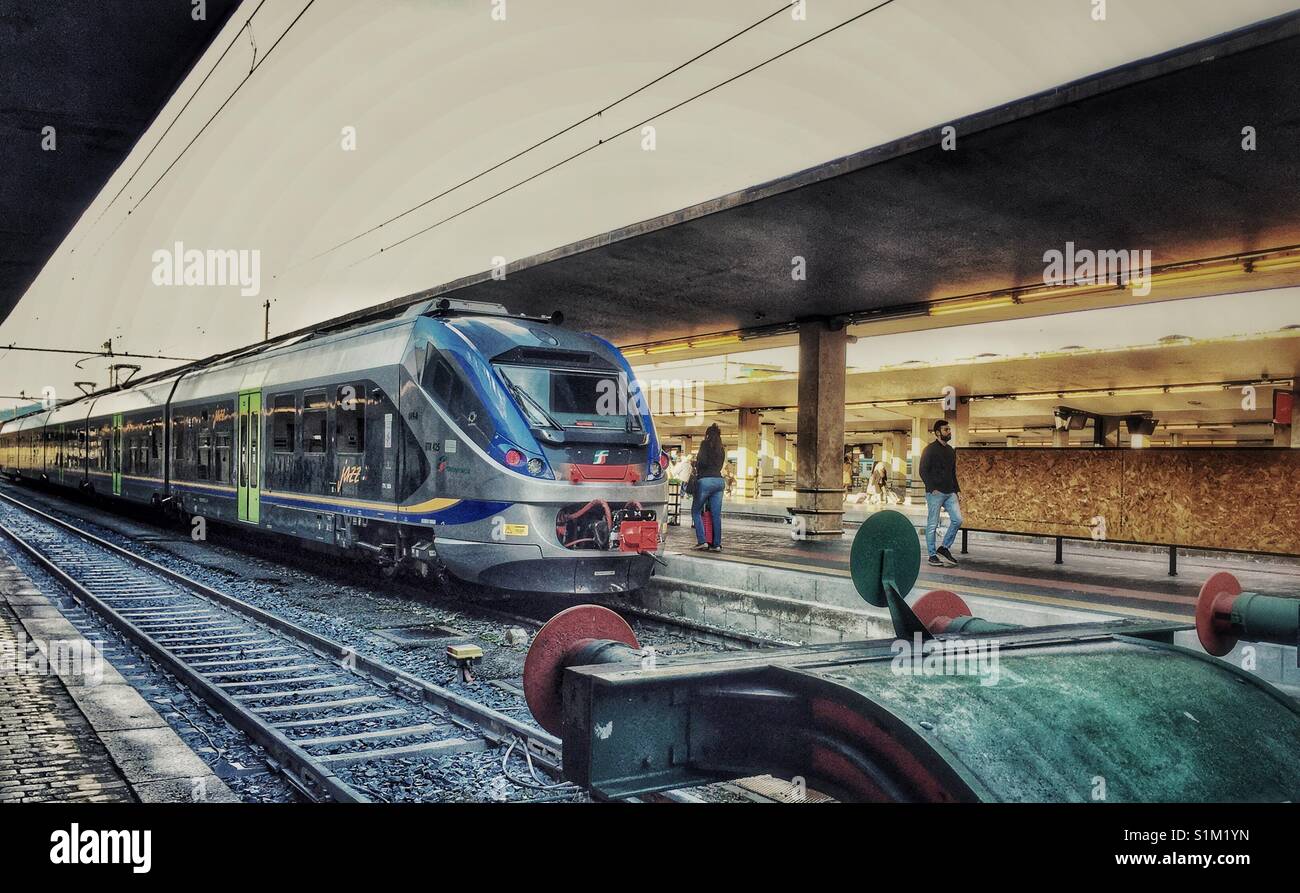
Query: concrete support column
893, 452
1061, 437
959, 420
784, 460
1012, 440
1139, 441
1176, 438
766, 458
819, 471
750, 433
915, 487
688, 445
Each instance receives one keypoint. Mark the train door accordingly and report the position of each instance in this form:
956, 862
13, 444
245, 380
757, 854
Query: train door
249, 434
62, 444
115, 454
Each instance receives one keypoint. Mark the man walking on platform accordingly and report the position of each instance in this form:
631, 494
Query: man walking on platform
939, 474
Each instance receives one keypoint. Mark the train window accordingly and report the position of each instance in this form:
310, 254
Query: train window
153, 439
255, 439
350, 419
222, 457
449, 388
315, 405
284, 423
203, 445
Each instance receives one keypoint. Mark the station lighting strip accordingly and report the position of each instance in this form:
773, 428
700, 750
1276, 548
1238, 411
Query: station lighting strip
1201, 388
1267, 261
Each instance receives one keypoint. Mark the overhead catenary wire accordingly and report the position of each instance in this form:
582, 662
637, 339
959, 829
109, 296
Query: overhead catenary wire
556, 134
97, 353
256, 65
179, 114
627, 130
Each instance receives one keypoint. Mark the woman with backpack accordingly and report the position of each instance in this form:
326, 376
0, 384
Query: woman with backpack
709, 485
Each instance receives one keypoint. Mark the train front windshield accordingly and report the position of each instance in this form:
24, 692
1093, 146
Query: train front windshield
562, 398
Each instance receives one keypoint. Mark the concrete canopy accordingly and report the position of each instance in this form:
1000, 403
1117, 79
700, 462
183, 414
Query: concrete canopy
1019, 392
439, 93
97, 75
1149, 156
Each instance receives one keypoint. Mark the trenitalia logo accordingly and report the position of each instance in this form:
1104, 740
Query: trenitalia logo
77, 847
602, 456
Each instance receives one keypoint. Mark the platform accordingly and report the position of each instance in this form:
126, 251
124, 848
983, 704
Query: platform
767, 584
72, 729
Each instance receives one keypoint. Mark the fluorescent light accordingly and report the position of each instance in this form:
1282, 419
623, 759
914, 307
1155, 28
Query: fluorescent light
1193, 388
1048, 292
1234, 269
964, 306
715, 340
1284, 262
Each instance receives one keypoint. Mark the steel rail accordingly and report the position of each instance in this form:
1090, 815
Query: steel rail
546, 749
304, 773
544, 746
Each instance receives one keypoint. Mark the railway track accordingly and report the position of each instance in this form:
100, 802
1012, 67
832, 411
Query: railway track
175, 619
313, 705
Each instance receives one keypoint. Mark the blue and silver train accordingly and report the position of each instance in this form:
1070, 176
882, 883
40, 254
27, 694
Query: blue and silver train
453, 439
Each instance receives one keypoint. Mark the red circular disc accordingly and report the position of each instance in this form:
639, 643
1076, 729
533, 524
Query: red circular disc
939, 605
544, 666
1214, 640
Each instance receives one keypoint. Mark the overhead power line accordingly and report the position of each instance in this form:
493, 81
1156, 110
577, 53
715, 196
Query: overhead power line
247, 24
556, 134
94, 353
256, 65
627, 130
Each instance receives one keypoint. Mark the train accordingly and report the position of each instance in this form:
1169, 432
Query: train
453, 440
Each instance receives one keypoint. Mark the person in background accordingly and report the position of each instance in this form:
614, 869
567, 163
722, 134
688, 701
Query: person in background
708, 472
681, 469
939, 474
728, 473
880, 482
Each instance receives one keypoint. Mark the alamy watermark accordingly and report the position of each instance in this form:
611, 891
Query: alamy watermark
682, 398
179, 265
52, 657
1084, 266
947, 657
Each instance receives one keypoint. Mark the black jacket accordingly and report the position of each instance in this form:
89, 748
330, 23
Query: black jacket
939, 468
709, 462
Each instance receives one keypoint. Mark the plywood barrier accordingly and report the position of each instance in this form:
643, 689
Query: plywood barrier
1243, 499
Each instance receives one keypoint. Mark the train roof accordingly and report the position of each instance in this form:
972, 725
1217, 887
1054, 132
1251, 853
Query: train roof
354, 351
322, 353
497, 335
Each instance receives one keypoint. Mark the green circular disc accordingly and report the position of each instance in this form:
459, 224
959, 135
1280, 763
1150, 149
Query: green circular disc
885, 530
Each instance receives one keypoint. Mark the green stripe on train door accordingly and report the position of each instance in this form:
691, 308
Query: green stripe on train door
250, 457
117, 454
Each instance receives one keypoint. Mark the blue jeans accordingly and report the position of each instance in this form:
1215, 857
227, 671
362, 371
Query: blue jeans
710, 495
933, 503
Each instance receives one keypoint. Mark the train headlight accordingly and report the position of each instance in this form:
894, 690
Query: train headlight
514, 458
536, 466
